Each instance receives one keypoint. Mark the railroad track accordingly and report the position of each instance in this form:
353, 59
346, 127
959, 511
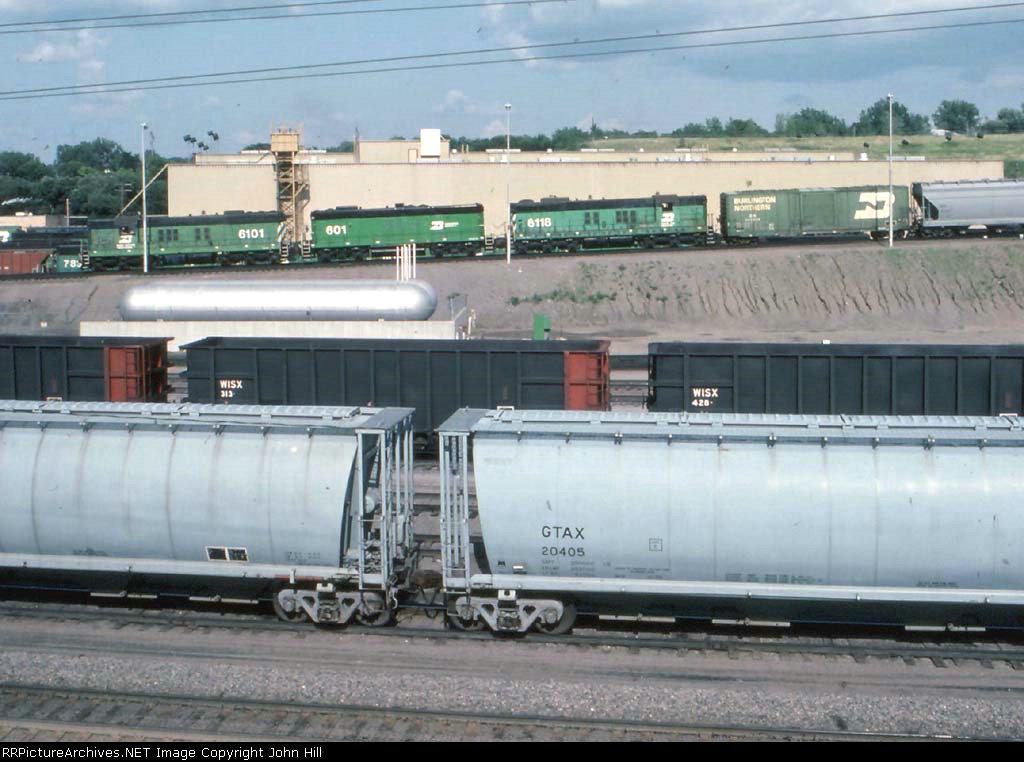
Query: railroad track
231, 269
43, 713
911, 648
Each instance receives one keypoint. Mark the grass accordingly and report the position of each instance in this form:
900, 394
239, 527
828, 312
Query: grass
573, 295
1009, 148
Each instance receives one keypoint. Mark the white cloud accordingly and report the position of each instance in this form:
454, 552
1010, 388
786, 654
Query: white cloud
454, 100
81, 48
492, 128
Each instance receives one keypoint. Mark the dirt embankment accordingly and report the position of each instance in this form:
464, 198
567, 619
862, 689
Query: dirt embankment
967, 291
946, 293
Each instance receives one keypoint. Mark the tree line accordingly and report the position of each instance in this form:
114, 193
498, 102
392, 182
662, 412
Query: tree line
951, 115
94, 178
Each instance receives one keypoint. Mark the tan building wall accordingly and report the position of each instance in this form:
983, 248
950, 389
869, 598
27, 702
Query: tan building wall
396, 151
267, 158
590, 155
215, 188
193, 189
26, 221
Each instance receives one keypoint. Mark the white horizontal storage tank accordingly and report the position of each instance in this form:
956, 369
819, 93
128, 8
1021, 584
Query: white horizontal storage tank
323, 300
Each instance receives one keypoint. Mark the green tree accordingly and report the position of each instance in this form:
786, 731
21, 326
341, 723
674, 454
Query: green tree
809, 121
569, 139
874, 120
1007, 120
22, 165
100, 155
744, 128
956, 116
16, 194
711, 128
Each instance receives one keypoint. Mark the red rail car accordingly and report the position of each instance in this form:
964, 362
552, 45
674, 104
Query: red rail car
22, 261
83, 369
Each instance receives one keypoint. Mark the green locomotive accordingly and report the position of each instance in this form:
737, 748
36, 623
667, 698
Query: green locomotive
349, 232
233, 238
757, 215
560, 224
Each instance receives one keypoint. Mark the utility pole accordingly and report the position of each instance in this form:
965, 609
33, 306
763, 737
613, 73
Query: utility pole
892, 198
145, 221
508, 184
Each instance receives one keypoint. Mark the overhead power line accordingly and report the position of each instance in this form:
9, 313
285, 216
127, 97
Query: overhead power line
197, 12
276, 16
492, 50
179, 18
175, 83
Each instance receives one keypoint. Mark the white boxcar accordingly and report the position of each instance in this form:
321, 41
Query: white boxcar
308, 506
881, 520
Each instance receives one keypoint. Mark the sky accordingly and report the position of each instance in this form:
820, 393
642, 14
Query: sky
648, 90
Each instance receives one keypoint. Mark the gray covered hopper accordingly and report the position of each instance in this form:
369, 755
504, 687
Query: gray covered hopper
194, 300
189, 494
992, 204
743, 508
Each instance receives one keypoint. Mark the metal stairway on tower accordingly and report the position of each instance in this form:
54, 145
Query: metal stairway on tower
292, 189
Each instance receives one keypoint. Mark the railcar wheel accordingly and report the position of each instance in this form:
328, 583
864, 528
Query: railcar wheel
465, 625
373, 611
561, 626
383, 618
287, 610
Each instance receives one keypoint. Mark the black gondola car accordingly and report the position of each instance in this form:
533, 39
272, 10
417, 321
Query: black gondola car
852, 379
83, 369
437, 377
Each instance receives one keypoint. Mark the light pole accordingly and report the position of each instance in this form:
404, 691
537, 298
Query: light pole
145, 221
508, 183
892, 198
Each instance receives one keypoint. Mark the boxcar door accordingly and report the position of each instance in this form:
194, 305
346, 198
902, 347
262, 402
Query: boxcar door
818, 212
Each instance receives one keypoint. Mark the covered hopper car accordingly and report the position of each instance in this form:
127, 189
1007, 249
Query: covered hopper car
308, 508
23, 261
810, 519
947, 209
